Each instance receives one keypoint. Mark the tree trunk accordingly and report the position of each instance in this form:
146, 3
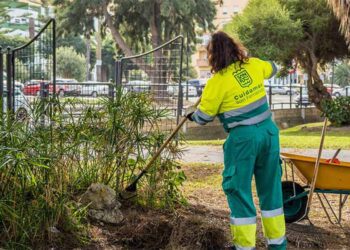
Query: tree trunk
98, 65
158, 76
317, 92
156, 72
88, 55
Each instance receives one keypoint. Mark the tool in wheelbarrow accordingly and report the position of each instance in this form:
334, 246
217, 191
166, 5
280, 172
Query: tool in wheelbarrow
130, 191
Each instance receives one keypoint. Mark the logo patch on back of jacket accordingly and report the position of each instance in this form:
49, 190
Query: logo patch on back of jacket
243, 78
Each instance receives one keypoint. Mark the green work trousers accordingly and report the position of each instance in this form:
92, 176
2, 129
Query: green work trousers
254, 150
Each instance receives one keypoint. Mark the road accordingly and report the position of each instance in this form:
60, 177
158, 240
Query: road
214, 154
278, 101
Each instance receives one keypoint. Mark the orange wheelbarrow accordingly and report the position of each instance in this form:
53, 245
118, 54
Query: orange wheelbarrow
333, 178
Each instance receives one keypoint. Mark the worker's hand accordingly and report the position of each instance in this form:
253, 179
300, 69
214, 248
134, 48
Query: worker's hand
189, 116
189, 112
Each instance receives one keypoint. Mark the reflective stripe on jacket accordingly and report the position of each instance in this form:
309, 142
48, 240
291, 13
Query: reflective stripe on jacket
236, 95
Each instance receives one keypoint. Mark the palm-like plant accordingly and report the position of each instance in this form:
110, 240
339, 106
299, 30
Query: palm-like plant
341, 9
342, 74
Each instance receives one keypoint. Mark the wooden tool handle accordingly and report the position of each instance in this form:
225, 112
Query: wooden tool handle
335, 155
317, 165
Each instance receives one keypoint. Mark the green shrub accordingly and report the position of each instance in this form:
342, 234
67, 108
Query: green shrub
337, 110
47, 161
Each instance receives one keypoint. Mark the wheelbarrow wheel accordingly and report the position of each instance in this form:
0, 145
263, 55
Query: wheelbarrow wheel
293, 210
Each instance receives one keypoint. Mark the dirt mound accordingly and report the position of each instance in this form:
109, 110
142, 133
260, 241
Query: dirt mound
153, 229
307, 236
196, 233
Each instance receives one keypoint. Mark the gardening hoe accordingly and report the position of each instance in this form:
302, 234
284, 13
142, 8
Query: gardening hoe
130, 191
317, 165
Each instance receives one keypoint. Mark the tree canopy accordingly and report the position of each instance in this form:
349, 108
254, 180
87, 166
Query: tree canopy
135, 24
11, 41
287, 30
342, 74
70, 64
138, 26
341, 9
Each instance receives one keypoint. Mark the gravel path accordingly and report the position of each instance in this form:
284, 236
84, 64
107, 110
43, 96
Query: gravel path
213, 154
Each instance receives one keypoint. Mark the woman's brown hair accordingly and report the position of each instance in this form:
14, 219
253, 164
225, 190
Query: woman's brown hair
223, 51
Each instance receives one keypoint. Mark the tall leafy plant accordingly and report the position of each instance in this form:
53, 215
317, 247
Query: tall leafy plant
49, 160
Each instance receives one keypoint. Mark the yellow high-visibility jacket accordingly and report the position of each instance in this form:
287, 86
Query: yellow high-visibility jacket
236, 95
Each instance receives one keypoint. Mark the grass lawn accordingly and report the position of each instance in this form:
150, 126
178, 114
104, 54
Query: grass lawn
304, 136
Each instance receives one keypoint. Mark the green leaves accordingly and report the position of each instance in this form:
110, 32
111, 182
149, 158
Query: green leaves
337, 110
342, 74
266, 28
133, 19
43, 169
287, 30
70, 64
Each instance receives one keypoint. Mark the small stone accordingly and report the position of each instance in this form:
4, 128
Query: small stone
53, 230
284, 125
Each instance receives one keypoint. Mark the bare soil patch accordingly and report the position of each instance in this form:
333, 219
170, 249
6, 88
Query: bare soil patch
204, 222
184, 228
321, 235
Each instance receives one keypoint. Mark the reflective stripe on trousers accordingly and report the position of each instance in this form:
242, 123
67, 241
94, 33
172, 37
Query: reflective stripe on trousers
243, 232
274, 226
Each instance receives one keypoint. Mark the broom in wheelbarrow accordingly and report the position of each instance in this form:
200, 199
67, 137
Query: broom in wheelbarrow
130, 191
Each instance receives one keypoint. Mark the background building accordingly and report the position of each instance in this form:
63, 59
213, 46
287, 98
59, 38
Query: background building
224, 14
24, 17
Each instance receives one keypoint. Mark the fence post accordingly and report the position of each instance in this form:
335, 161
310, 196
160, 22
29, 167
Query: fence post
180, 100
346, 91
9, 80
300, 96
290, 94
54, 57
270, 96
111, 90
187, 67
118, 72
44, 93
1, 84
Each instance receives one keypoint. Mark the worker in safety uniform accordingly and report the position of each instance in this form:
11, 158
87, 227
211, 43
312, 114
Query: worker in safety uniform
236, 94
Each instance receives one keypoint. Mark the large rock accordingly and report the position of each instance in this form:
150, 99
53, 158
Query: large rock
100, 196
103, 205
111, 216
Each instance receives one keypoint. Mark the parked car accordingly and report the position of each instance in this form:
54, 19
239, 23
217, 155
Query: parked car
95, 89
138, 86
281, 90
32, 87
342, 92
173, 90
198, 84
304, 101
67, 87
334, 90
17, 83
21, 104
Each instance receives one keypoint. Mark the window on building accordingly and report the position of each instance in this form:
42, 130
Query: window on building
17, 20
224, 11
